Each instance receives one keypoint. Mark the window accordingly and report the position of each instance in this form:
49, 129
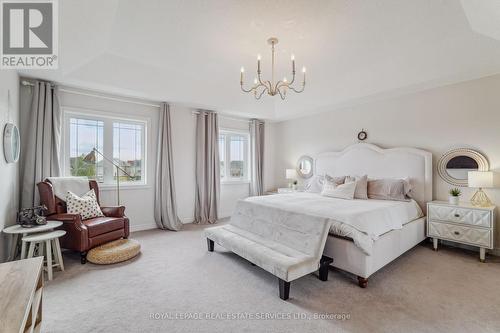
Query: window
119, 139
233, 153
85, 134
127, 150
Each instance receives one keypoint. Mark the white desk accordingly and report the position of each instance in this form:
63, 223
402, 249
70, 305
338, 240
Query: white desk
16, 231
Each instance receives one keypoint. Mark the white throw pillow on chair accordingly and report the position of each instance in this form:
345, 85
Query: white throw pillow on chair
342, 191
86, 205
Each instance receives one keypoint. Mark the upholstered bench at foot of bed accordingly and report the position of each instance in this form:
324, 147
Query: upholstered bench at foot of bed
282, 261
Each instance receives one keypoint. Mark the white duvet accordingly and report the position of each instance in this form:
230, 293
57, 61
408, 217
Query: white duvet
364, 221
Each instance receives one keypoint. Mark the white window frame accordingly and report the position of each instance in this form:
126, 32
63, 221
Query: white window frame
108, 118
227, 154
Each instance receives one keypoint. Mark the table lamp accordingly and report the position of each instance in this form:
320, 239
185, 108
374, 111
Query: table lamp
291, 175
480, 180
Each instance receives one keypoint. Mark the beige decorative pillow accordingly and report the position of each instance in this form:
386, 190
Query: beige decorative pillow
86, 205
342, 191
388, 189
361, 186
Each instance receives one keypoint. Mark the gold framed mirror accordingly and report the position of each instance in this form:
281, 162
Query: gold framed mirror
454, 165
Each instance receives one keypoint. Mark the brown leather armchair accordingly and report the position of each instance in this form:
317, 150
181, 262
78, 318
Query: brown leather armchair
83, 235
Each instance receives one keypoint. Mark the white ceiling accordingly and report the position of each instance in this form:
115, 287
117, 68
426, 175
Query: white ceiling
191, 51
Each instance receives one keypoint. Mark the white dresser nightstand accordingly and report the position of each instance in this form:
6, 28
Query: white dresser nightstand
462, 223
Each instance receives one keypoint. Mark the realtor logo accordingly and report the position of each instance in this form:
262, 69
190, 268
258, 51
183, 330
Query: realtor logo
29, 34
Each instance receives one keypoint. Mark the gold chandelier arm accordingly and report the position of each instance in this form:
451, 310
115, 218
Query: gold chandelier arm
258, 96
279, 84
245, 90
298, 91
282, 95
255, 87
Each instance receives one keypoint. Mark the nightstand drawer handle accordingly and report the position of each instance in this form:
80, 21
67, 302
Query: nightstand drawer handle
457, 215
456, 233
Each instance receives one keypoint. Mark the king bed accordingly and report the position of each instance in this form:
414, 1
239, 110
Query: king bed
360, 236
411, 163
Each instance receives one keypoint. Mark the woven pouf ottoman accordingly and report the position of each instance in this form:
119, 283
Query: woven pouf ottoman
114, 252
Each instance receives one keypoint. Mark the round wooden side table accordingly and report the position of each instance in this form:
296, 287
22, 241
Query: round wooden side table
17, 231
47, 243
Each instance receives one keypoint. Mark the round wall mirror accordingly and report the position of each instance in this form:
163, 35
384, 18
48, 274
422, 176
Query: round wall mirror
11, 143
305, 166
454, 166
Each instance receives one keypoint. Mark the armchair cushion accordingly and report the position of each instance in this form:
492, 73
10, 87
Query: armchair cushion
101, 225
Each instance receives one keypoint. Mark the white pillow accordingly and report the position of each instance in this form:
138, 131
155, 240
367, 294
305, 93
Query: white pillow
342, 191
86, 205
315, 184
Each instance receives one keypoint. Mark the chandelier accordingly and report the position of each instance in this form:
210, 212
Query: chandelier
273, 87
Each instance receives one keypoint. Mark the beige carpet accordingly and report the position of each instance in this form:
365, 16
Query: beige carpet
423, 291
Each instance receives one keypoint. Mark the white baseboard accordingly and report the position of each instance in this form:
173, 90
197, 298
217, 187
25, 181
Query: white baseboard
186, 220
152, 225
142, 226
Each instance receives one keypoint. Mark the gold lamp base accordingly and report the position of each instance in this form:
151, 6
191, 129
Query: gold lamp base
480, 199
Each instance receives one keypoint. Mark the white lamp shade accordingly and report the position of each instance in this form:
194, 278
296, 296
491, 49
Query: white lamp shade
480, 179
290, 174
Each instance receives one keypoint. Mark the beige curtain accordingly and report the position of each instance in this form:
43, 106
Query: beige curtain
207, 168
40, 128
165, 208
257, 156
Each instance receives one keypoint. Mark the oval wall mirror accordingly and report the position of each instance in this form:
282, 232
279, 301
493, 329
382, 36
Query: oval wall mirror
454, 165
305, 166
11, 143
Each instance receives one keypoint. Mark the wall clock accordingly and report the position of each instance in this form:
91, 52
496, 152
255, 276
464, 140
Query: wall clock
11, 143
362, 135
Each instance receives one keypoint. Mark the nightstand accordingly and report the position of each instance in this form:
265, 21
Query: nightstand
462, 223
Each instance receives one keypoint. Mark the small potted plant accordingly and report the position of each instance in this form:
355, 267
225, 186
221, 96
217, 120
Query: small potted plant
455, 193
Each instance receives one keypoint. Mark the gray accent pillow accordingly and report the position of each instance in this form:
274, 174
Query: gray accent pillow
315, 184
389, 189
361, 191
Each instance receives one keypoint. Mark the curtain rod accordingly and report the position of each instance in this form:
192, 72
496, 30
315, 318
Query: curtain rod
27, 83
124, 99
90, 94
226, 117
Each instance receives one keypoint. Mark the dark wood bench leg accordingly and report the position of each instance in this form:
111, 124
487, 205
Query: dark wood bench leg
210, 244
284, 289
324, 263
362, 282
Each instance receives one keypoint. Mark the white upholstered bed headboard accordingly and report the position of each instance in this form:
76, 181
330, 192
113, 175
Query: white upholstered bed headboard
376, 162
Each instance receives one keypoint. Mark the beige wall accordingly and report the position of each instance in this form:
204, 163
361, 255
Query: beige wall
9, 184
460, 115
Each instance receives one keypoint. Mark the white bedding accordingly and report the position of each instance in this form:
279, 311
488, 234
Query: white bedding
362, 220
